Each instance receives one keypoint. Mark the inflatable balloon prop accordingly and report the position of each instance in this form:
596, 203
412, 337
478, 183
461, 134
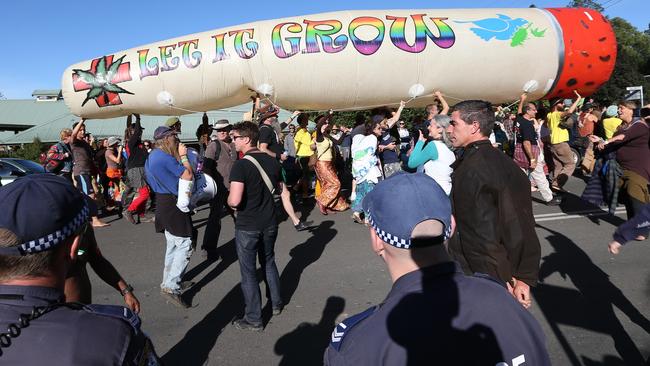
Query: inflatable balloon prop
265, 89
164, 98
530, 86
415, 91
352, 60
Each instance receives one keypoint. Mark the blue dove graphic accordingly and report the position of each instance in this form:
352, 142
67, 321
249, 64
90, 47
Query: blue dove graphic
501, 28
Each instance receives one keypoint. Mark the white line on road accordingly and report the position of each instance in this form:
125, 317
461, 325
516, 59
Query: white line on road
575, 215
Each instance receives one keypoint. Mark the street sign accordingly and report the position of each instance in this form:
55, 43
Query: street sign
634, 93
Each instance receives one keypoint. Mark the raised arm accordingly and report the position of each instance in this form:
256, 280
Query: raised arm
397, 115
522, 100
75, 130
574, 106
445, 105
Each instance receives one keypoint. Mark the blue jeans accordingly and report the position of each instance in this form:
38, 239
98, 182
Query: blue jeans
177, 257
249, 245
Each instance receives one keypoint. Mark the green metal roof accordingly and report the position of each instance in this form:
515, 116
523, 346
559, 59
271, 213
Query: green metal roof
25, 113
50, 118
47, 92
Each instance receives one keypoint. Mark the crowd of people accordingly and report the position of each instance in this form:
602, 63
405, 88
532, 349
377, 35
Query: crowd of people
468, 176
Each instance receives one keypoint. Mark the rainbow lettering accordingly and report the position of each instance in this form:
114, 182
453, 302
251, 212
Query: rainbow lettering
195, 59
398, 34
168, 62
366, 47
251, 46
147, 68
329, 46
276, 39
220, 53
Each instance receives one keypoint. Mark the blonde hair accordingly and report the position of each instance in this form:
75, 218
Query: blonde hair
66, 132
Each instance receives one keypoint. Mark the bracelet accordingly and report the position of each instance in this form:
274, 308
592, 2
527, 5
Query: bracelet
126, 290
184, 159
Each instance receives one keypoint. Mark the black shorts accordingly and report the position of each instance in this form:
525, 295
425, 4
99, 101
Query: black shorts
84, 184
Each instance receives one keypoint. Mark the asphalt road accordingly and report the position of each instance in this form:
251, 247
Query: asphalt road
592, 306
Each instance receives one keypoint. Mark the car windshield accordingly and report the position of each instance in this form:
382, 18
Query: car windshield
29, 165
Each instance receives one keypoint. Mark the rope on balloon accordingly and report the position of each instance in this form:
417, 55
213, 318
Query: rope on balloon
415, 91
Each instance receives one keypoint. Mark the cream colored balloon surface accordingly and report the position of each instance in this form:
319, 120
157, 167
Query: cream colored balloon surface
340, 60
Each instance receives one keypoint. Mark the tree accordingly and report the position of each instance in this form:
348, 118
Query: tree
2, 96
632, 62
591, 4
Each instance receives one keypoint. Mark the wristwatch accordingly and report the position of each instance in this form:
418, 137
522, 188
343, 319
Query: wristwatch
126, 290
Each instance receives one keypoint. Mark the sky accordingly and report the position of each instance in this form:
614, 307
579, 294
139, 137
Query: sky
41, 38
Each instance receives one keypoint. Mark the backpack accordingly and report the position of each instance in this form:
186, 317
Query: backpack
52, 165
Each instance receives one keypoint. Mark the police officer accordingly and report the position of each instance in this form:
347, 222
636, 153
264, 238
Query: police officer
434, 314
41, 226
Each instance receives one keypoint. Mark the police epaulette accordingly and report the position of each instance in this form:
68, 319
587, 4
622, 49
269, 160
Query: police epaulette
118, 312
343, 327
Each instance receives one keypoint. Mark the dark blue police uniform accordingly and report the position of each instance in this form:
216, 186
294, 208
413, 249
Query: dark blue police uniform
69, 335
43, 212
438, 315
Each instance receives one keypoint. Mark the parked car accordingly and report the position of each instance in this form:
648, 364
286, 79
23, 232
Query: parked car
13, 168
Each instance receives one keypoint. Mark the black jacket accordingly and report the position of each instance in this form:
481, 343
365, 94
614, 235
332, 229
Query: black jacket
495, 228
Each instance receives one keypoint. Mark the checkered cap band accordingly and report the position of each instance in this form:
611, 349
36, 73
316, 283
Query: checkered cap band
388, 237
394, 240
52, 240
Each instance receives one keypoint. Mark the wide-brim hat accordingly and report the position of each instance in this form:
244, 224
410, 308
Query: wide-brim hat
172, 121
113, 140
221, 124
268, 112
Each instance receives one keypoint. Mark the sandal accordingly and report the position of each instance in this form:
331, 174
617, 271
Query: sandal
357, 218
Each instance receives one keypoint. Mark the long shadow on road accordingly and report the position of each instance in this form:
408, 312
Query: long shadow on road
195, 347
591, 306
227, 255
302, 255
306, 344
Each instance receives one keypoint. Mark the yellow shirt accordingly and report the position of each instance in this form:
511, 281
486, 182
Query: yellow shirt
558, 134
302, 140
324, 150
610, 125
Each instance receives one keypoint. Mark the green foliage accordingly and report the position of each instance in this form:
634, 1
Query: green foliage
347, 118
632, 62
592, 4
31, 151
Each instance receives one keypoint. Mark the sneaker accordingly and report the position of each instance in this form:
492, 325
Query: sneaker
278, 311
302, 225
129, 216
175, 299
555, 201
146, 218
243, 324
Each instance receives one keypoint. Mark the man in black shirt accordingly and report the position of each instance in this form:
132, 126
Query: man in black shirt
269, 143
256, 227
527, 153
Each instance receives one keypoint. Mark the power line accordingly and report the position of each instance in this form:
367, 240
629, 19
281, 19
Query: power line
612, 4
